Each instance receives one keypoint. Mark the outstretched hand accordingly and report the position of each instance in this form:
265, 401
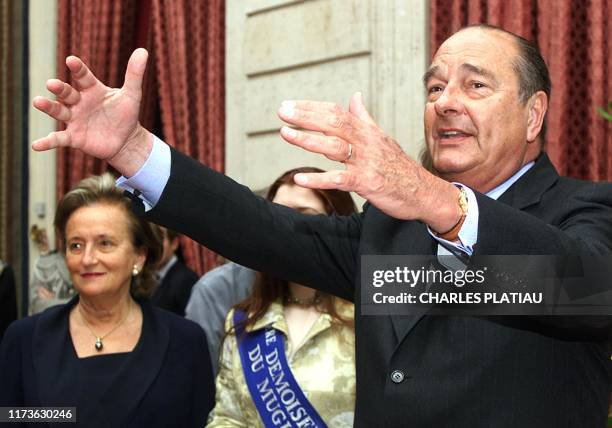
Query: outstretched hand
377, 168
100, 121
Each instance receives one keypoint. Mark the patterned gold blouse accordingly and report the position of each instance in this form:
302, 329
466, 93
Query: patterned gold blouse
323, 365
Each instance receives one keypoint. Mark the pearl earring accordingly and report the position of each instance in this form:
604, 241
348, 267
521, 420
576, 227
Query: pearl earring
135, 270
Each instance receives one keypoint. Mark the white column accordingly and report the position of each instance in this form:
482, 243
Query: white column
322, 50
42, 165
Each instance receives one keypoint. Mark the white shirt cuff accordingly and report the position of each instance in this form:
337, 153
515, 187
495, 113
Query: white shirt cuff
152, 177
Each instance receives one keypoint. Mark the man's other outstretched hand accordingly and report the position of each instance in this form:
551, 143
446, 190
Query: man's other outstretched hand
375, 166
100, 121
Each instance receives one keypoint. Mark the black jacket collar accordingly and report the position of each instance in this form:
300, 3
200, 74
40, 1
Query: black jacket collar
528, 189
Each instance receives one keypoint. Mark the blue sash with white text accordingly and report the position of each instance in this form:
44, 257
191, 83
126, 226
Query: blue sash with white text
279, 399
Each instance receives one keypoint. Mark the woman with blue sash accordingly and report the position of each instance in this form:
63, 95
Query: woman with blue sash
288, 358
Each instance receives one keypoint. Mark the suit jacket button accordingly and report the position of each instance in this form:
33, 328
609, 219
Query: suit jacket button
397, 376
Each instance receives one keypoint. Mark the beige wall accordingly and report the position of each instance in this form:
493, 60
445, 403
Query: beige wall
43, 37
276, 50
322, 50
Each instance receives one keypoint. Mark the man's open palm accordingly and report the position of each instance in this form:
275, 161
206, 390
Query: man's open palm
99, 120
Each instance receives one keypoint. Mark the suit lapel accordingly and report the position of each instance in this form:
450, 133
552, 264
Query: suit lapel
528, 189
53, 366
421, 243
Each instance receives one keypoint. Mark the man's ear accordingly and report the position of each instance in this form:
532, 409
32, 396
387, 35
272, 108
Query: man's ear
175, 244
537, 105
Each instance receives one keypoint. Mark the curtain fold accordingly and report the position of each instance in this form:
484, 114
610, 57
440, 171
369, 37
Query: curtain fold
101, 33
183, 89
13, 140
6, 124
189, 48
575, 38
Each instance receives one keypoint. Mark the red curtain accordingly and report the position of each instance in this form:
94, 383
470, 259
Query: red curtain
575, 38
189, 42
101, 32
185, 77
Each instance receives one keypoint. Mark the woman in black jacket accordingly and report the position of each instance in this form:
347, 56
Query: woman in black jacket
108, 352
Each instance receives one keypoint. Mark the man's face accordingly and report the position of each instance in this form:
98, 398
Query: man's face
475, 126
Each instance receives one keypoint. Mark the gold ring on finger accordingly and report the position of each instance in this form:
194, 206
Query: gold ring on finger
349, 154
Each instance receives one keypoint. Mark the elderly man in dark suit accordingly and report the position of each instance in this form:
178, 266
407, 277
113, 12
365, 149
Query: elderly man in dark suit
494, 192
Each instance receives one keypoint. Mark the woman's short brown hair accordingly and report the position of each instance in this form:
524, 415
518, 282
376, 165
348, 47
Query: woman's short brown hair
102, 190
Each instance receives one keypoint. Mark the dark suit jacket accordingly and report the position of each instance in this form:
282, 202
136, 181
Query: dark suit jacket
459, 371
8, 298
165, 382
174, 290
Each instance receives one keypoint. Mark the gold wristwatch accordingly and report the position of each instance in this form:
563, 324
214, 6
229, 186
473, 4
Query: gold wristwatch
453, 233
